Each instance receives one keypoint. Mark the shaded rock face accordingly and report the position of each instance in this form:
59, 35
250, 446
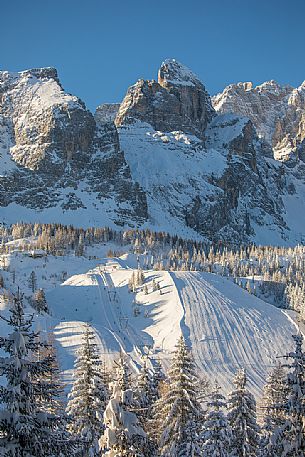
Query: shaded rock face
178, 101
244, 195
53, 155
277, 112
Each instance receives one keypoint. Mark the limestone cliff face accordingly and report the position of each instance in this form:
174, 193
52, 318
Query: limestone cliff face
54, 155
178, 101
289, 131
277, 112
247, 194
49, 127
195, 103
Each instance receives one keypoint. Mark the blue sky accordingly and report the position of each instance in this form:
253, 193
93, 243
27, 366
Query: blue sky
101, 47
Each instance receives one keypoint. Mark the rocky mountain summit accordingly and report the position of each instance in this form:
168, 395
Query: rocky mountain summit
165, 158
278, 113
178, 101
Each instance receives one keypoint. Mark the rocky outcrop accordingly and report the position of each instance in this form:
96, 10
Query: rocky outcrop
106, 112
178, 101
49, 127
53, 155
277, 112
289, 131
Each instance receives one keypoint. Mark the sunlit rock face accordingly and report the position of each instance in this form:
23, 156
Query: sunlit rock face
178, 101
277, 112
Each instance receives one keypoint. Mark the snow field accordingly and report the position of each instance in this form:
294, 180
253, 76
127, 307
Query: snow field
226, 327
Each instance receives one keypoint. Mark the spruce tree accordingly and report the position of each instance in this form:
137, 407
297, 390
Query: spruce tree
242, 419
123, 435
39, 301
144, 393
157, 377
28, 427
292, 433
274, 397
88, 396
217, 433
33, 281
178, 415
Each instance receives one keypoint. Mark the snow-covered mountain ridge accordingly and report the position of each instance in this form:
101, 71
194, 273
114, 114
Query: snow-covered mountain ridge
163, 158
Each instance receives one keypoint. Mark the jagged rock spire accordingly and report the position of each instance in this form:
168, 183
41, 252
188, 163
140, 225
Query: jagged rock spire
178, 101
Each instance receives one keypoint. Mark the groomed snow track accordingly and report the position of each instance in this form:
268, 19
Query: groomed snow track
226, 327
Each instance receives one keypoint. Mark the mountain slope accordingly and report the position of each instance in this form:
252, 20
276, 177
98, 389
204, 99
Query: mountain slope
162, 159
226, 327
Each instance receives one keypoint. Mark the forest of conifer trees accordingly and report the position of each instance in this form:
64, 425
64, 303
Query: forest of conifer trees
115, 411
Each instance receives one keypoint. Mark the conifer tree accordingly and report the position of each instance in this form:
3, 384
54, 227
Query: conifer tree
217, 433
292, 433
123, 435
274, 397
39, 301
88, 397
157, 377
178, 414
28, 428
33, 281
242, 419
144, 395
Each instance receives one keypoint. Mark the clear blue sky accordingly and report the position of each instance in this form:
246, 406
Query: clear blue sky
101, 47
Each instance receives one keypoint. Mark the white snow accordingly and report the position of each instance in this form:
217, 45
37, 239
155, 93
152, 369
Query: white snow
172, 167
176, 73
226, 327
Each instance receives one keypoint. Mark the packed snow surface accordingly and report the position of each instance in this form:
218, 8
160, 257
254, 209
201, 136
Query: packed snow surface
226, 327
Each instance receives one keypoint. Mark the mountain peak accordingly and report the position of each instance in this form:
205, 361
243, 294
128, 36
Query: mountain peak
175, 73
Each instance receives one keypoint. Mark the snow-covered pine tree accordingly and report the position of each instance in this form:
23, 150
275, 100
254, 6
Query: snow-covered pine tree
178, 415
132, 283
157, 377
292, 433
140, 278
144, 393
123, 435
242, 419
274, 418
154, 285
33, 281
39, 301
88, 396
62, 441
217, 434
28, 428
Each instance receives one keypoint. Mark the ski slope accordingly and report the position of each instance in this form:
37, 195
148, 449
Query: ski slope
226, 327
